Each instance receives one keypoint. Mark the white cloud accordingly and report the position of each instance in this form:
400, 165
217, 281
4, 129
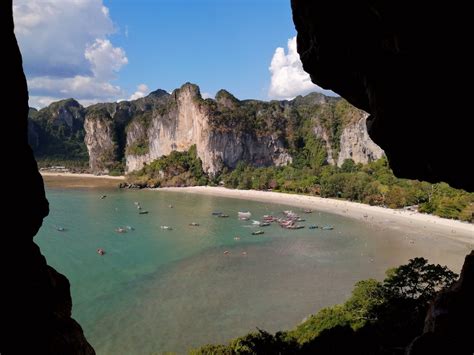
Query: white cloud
106, 60
206, 95
142, 91
66, 50
288, 79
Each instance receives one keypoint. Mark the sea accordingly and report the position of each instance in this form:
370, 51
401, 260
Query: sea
161, 290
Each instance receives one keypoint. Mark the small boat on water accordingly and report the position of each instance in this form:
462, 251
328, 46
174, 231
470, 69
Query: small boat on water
307, 211
103, 196
246, 214
237, 238
223, 215
295, 226
194, 224
100, 251
264, 224
259, 232
269, 218
60, 229
226, 252
120, 230
216, 213
299, 219
130, 228
327, 228
166, 228
143, 212
170, 206
313, 226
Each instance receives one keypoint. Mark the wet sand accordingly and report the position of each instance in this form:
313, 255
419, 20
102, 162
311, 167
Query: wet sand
83, 181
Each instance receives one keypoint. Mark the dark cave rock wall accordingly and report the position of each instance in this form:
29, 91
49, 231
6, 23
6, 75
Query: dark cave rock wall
35, 302
397, 61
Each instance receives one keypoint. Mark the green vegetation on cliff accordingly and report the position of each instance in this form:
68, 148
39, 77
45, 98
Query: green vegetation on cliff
378, 318
373, 184
176, 169
56, 134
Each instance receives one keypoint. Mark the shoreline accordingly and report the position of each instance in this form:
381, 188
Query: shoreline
81, 175
383, 217
380, 217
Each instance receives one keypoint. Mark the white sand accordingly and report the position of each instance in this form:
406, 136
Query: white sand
383, 217
51, 173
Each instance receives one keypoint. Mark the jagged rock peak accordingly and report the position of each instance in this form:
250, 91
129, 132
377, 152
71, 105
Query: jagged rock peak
158, 93
226, 99
314, 98
188, 87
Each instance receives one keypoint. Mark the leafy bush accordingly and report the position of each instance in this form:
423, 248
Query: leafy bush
176, 169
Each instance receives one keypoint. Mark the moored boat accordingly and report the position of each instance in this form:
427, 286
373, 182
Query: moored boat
247, 214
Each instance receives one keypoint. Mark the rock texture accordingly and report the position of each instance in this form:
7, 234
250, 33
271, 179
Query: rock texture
356, 144
395, 61
188, 121
35, 302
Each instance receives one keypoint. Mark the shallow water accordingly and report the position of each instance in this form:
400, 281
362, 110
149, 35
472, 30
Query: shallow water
170, 290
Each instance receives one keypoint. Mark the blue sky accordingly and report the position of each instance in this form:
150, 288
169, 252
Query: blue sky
107, 50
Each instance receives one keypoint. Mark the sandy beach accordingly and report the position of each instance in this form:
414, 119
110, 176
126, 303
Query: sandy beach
379, 217
50, 173
72, 180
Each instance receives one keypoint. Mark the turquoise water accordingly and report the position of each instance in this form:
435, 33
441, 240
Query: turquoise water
170, 290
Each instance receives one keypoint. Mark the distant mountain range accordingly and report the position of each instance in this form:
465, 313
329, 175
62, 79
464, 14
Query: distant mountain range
123, 136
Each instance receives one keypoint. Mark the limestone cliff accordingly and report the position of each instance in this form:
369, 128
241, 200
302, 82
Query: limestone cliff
356, 144
57, 131
190, 120
126, 135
